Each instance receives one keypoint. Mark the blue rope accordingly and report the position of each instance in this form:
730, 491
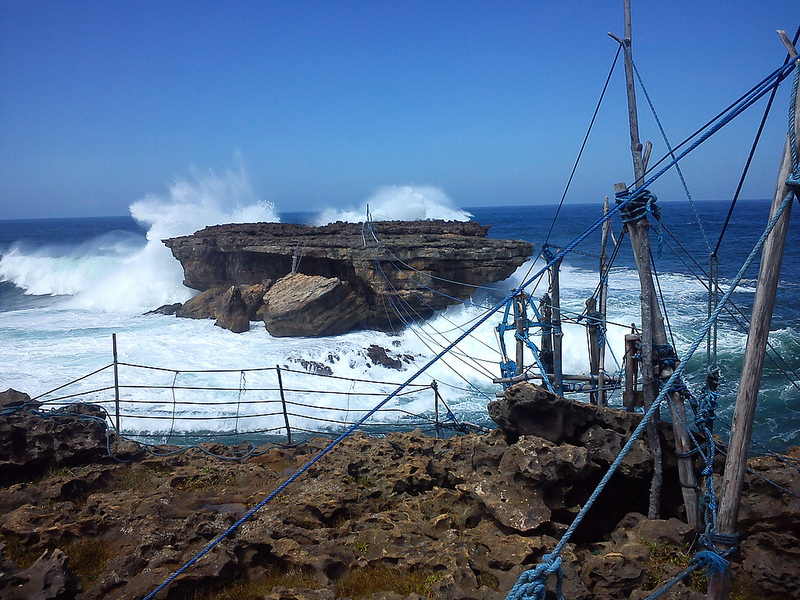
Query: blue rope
710, 561
794, 179
778, 74
532, 583
672, 380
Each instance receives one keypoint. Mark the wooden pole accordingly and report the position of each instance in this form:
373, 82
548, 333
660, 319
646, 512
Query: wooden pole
435, 387
283, 403
519, 322
555, 298
547, 333
744, 411
631, 371
603, 301
594, 348
116, 380
653, 330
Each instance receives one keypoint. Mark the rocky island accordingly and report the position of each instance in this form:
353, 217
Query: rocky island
316, 281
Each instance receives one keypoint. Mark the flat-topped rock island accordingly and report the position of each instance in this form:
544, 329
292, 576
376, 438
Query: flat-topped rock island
303, 280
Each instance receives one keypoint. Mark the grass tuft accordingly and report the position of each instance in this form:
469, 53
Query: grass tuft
363, 582
245, 589
88, 559
663, 555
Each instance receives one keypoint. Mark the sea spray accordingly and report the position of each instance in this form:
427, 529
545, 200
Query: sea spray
46, 342
151, 277
399, 203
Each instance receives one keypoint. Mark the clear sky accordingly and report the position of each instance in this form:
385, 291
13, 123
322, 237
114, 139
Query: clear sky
319, 103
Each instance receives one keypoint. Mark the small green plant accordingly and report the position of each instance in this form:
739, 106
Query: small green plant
663, 554
140, 478
245, 589
23, 556
363, 582
88, 559
361, 547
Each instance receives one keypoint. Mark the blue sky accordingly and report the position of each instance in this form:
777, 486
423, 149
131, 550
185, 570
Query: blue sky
320, 103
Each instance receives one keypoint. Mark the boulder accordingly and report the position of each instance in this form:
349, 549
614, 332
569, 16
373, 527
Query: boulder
312, 306
232, 311
32, 441
48, 578
203, 305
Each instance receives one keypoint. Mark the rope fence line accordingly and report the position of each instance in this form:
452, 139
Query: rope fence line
277, 408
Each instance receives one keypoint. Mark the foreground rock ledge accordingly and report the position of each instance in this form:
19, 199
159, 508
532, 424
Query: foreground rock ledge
407, 516
339, 277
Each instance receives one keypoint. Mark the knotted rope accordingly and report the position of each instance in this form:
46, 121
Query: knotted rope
636, 207
532, 583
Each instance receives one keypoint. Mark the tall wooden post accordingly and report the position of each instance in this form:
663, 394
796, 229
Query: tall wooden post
631, 371
283, 405
653, 331
116, 381
592, 328
546, 352
744, 411
555, 299
602, 309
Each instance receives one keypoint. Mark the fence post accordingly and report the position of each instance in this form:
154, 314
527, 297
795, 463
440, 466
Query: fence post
283, 403
435, 388
116, 380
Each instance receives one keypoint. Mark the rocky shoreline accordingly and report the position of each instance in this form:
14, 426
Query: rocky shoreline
404, 516
320, 281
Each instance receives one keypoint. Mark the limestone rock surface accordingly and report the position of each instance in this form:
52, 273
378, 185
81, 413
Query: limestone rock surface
382, 276
405, 516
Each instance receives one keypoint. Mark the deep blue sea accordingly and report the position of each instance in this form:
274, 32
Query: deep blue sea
67, 285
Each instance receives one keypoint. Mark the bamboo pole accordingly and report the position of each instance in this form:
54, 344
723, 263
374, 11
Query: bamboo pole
744, 411
116, 381
555, 298
603, 301
653, 330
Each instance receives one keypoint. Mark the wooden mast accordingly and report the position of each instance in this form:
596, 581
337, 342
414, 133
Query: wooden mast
653, 330
744, 411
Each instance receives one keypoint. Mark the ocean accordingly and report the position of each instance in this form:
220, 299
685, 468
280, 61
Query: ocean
68, 285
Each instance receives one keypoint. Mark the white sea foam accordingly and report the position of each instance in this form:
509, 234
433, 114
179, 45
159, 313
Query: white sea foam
119, 272
400, 203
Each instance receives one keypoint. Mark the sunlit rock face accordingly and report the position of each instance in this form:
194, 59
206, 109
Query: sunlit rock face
380, 276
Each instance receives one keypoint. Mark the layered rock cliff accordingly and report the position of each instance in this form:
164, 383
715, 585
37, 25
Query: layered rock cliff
331, 279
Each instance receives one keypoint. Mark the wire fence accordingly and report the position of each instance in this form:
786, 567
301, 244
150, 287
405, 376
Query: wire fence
162, 405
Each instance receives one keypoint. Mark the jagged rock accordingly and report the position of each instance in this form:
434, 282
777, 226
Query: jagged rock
312, 306
232, 311
467, 514
233, 307
528, 409
166, 309
31, 442
48, 578
11, 398
380, 356
415, 269
203, 305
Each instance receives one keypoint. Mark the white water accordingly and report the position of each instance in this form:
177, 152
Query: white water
105, 285
399, 203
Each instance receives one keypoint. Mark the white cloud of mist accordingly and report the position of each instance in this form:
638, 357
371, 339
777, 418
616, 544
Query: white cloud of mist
400, 203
